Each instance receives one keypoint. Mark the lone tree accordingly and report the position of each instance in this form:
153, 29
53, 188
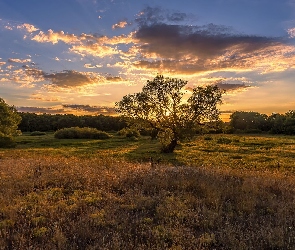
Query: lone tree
161, 106
9, 120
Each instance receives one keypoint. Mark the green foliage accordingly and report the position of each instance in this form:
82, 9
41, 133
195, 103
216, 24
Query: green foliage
129, 132
253, 122
80, 133
161, 106
6, 141
9, 120
49, 122
247, 121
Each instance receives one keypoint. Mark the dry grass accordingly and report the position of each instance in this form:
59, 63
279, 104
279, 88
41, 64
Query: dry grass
57, 202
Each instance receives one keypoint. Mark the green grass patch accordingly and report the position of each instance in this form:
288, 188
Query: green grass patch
237, 151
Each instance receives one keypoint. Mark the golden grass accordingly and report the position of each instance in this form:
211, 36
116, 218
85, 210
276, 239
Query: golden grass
67, 202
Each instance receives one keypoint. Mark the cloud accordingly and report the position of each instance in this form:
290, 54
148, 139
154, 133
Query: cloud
91, 109
177, 17
55, 37
77, 109
204, 42
17, 60
2, 63
90, 66
42, 98
102, 46
25, 76
71, 78
86, 44
41, 110
157, 15
28, 27
114, 78
195, 49
150, 15
120, 25
229, 87
67, 79
95, 50
8, 27
291, 32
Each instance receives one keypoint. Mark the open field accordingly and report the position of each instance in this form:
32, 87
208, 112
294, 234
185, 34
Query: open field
264, 152
214, 192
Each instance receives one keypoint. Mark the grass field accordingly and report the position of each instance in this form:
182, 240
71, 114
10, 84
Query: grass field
214, 192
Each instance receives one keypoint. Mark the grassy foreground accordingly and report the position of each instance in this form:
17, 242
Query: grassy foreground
215, 192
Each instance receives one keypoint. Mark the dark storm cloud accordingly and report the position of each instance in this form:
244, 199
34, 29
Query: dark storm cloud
175, 41
190, 49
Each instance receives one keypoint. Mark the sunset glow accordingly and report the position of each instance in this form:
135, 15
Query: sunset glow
82, 56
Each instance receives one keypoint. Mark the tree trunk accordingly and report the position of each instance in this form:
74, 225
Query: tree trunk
170, 147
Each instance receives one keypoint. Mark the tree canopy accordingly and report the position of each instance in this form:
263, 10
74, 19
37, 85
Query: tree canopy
163, 105
9, 120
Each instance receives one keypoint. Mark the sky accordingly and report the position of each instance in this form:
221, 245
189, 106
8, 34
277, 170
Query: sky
82, 56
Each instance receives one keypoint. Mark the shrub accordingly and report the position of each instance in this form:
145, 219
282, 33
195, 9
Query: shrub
80, 133
129, 132
6, 141
37, 133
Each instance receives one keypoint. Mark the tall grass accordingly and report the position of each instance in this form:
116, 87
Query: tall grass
61, 202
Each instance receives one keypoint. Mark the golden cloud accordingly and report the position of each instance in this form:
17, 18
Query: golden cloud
43, 98
90, 66
120, 25
96, 50
8, 27
55, 37
28, 27
17, 60
21, 77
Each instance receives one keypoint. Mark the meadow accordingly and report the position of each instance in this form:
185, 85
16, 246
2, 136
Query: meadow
214, 192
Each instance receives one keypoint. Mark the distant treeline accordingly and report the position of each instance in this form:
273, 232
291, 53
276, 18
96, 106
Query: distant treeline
254, 122
47, 122
240, 122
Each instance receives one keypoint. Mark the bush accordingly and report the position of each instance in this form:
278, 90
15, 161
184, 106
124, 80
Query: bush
6, 141
37, 133
80, 133
129, 132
